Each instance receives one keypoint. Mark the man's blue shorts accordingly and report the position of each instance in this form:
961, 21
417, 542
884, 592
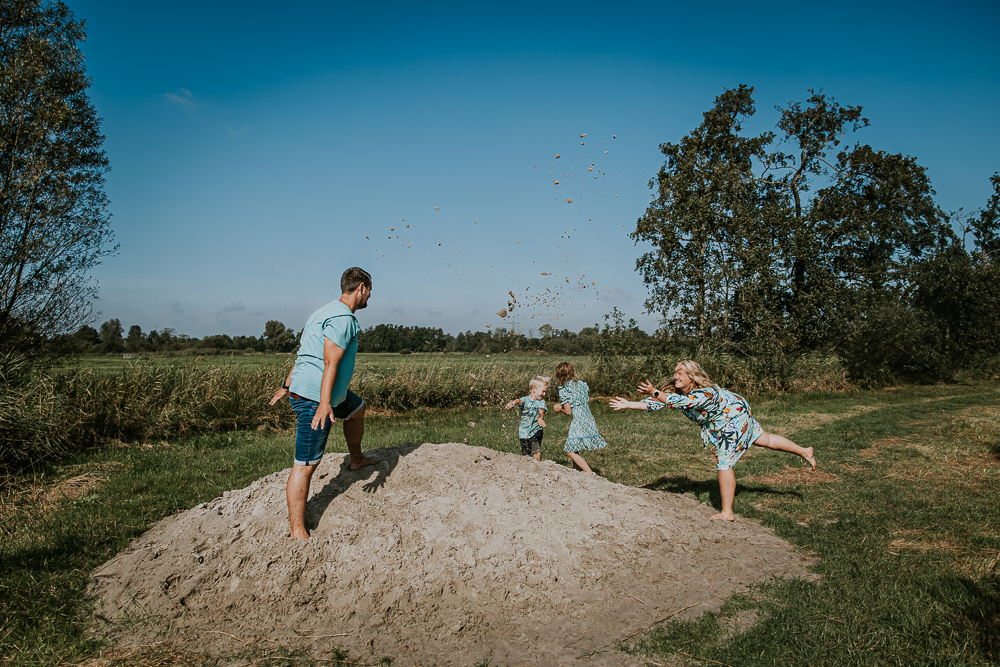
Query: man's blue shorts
310, 444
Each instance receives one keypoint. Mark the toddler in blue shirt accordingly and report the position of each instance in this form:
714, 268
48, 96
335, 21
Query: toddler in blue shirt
532, 416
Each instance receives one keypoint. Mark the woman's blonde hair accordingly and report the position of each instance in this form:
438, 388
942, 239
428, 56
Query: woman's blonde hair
564, 373
699, 378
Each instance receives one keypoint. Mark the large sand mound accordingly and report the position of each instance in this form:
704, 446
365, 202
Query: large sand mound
440, 555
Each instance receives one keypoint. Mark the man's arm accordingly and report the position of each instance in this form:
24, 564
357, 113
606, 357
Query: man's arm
332, 354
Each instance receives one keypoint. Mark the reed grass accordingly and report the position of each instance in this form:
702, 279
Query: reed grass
48, 413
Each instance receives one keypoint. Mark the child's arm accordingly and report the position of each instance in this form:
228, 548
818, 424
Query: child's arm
541, 415
515, 403
619, 403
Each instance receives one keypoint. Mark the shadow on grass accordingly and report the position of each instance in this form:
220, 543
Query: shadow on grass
710, 487
981, 610
345, 478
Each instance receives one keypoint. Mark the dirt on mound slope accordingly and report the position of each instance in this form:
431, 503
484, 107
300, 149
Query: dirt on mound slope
440, 555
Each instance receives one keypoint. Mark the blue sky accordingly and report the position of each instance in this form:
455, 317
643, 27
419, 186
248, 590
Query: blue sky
260, 149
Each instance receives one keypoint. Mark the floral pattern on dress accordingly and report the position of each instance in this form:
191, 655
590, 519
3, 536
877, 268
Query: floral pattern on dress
726, 420
583, 434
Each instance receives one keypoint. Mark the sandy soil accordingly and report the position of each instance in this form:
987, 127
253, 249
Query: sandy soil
443, 554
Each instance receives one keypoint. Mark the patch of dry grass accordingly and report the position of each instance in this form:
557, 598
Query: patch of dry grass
794, 476
21, 505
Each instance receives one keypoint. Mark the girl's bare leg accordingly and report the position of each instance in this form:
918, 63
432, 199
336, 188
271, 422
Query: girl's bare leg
727, 487
783, 444
578, 462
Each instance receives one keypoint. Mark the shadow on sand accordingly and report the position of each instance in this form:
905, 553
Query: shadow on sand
345, 478
711, 487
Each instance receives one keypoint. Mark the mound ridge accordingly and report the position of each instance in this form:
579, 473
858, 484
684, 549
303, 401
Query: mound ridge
442, 554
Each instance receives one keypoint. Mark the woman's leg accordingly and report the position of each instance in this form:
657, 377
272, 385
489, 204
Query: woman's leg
783, 444
727, 487
578, 462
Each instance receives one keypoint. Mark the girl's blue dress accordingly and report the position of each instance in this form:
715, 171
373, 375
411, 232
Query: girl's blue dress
583, 433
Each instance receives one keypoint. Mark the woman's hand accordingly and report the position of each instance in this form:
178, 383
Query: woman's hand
619, 403
647, 387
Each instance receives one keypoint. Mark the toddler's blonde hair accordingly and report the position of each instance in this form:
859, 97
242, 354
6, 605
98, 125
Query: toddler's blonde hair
538, 381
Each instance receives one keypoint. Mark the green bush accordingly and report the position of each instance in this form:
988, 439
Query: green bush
32, 424
747, 375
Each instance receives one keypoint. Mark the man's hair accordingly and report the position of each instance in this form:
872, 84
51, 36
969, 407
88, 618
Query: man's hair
564, 373
352, 278
538, 381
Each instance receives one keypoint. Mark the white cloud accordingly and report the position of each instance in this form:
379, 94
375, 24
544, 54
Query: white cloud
616, 294
183, 97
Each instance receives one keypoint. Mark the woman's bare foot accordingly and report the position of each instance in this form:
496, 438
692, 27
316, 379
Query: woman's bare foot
365, 461
810, 458
723, 517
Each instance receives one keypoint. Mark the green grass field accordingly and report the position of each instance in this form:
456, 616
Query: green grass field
901, 515
528, 362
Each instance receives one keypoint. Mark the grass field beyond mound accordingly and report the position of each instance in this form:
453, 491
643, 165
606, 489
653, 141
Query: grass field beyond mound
901, 515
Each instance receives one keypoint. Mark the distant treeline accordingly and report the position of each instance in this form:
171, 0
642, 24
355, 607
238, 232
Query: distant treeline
277, 338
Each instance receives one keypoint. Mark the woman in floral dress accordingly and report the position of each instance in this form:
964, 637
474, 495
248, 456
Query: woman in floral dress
725, 419
574, 400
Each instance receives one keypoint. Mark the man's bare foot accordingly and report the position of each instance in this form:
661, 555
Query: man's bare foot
810, 458
365, 461
303, 536
723, 517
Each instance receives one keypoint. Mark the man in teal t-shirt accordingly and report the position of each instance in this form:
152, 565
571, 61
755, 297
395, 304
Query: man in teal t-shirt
317, 386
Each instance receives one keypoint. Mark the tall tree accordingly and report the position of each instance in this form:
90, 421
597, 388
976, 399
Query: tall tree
810, 132
54, 224
985, 227
111, 336
779, 260
135, 341
278, 338
856, 221
710, 271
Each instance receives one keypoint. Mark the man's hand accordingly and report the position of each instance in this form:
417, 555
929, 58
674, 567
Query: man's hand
323, 412
278, 395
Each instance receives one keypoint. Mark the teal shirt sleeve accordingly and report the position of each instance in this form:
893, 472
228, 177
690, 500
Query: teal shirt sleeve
341, 330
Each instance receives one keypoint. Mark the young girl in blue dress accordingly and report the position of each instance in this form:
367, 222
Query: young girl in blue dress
574, 400
725, 419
